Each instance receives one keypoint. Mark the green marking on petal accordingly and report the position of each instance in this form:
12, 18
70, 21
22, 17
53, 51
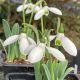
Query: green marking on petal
46, 12
58, 42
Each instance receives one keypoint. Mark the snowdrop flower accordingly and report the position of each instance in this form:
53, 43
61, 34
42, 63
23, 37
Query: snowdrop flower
24, 41
28, 8
32, 8
66, 43
37, 53
45, 11
20, 8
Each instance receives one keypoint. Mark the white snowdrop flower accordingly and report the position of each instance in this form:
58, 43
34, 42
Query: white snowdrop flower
45, 11
24, 41
21, 7
29, 7
32, 8
37, 53
67, 44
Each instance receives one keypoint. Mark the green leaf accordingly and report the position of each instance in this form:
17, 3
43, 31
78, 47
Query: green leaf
37, 68
6, 28
13, 50
14, 47
47, 71
55, 69
52, 73
67, 72
63, 67
35, 30
15, 29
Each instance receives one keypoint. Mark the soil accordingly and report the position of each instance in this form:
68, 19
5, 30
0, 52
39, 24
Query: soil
18, 61
71, 77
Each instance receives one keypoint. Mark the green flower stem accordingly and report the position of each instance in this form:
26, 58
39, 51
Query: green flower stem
31, 18
35, 30
45, 3
30, 1
24, 29
9, 9
40, 1
58, 25
42, 26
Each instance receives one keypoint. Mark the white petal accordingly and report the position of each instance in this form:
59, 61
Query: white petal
23, 43
20, 8
42, 45
30, 8
28, 11
37, 8
46, 10
10, 40
36, 54
55, 10
69, 46
28, 50
31, 41
52, 37
39, 14
59, 35
56, 53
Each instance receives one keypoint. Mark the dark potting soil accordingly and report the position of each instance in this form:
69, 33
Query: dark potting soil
71, 77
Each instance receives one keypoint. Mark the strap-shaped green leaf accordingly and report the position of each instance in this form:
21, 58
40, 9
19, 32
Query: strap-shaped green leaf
47, 71
35, 30
15, 29
37, 68
6, 28
14, 47
67, 72
63, 67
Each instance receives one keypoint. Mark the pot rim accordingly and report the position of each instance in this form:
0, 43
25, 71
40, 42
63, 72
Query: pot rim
13, 64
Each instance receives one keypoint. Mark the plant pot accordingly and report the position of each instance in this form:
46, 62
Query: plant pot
18, 72
71, 76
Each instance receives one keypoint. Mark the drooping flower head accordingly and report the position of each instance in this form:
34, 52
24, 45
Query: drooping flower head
29, 7
66, 43
38, 52
45, 11
23, 40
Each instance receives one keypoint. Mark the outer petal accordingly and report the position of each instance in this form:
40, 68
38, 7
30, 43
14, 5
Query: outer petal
69, 46
36, 54
55, 10
51, 37
28, 11
37, 8
23, 43
28, 50
56, 53
31, 41
11, 40
39, 14
20, 8
30, 8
